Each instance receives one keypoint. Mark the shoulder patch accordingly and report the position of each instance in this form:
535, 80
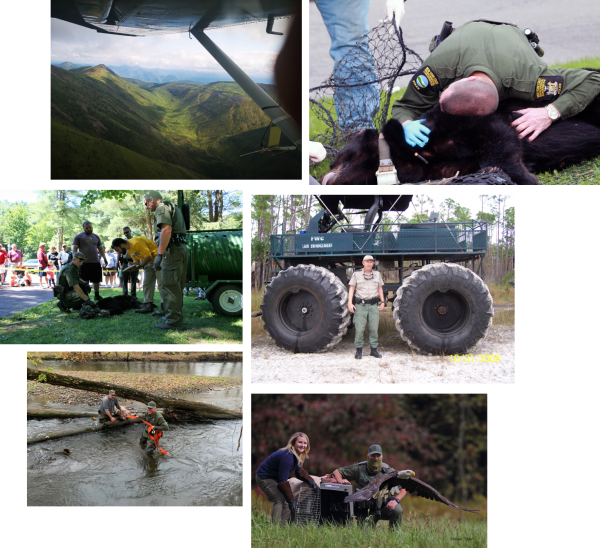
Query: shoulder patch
548, 88
425, 81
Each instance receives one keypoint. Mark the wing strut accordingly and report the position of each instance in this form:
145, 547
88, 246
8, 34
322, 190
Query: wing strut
279, 116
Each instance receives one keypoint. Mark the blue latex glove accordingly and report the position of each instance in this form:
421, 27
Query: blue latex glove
415, 133
157, 262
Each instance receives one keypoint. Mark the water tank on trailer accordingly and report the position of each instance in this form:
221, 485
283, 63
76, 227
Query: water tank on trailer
214, 255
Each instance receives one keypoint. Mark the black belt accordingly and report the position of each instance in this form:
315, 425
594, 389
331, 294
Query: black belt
176, 239
374, 300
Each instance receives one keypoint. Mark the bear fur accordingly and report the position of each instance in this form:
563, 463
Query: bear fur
119, 304
470, 144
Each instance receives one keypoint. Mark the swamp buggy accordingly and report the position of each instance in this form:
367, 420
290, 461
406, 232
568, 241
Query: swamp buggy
439, 305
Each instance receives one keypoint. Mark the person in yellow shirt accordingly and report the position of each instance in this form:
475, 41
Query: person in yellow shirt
143, 251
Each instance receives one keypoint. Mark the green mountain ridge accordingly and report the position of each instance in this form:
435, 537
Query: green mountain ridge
202, 129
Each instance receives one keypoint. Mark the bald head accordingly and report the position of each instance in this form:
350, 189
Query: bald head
469, 97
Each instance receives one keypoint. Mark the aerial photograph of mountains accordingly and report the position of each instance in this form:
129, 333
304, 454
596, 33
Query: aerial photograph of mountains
133, 105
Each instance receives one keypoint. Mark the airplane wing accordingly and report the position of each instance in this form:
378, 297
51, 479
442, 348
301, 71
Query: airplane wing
147, 17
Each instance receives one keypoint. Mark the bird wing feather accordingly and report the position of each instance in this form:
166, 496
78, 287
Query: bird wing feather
412, 485
370, 490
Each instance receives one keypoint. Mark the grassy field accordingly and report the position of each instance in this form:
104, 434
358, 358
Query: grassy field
586, 173
45, 324
420, 529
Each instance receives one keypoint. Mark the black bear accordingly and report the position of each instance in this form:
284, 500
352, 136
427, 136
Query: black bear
470, 144
119, 304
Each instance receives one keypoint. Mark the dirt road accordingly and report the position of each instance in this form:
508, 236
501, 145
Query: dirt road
399, 364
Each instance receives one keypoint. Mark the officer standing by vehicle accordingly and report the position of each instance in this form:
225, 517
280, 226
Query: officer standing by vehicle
70, 289
172, 257
367, 284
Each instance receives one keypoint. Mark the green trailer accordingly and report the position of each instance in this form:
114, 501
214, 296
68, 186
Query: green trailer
214, 264
439, 305
215, 267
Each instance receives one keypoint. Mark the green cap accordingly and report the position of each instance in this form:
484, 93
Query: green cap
153, 194
151, 405
78, 255
375, 449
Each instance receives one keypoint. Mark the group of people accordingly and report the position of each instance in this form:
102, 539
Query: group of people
71, 273
163, 262
111, 410
9, 260
273, 474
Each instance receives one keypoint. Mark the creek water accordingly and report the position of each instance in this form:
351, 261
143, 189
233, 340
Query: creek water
203, 369
111, 468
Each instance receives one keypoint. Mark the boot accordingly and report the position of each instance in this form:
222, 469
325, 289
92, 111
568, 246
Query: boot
358, 354
375, 354
62, 307
146, 309
160, 311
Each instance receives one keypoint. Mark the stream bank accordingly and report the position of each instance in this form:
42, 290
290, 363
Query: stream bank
161, 385
217, 355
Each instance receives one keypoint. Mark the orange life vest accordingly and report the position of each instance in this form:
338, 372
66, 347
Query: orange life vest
154, 438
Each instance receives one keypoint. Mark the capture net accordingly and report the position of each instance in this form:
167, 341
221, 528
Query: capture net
357, 94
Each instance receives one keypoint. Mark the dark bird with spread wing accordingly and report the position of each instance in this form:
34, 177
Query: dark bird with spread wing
404, 480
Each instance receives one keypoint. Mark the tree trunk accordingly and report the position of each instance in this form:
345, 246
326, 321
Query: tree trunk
198, 409
34, 413
66, 433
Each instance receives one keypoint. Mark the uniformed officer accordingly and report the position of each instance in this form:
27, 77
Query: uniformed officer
171, 259
69, 286
363, 473
480, 64
156, 419
367, 284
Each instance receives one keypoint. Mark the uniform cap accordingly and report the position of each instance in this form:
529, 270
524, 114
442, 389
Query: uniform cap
369, 258
153, 194
78, 255
375, 449
111, 392
151, 405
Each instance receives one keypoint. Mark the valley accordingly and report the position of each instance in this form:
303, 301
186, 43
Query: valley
108, 127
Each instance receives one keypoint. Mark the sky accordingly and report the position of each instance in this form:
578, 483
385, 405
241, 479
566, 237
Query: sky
465, 199
470, 201
249, 46
21, 195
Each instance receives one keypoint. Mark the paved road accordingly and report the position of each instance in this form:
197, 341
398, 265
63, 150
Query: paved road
567, 30
16, 299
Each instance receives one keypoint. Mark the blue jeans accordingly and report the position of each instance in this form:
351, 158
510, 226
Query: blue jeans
347, 23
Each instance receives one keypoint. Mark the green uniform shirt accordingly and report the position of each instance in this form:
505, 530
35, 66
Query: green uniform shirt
505, 55
168, 213
359, 474
156, 420
68, 276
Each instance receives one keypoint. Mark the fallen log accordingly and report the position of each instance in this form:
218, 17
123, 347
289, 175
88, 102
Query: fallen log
192, 409
96, 428
34, 413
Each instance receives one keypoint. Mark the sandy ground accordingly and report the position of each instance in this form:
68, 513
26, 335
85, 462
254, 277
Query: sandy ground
271, 364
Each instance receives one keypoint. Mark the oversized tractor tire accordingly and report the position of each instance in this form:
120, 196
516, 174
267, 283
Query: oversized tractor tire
443, 308
305, 309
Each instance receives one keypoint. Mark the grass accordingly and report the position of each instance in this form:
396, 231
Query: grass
585, 173
419, 530
45, 324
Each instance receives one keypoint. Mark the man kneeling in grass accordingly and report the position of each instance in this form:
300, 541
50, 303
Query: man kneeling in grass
69, 287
